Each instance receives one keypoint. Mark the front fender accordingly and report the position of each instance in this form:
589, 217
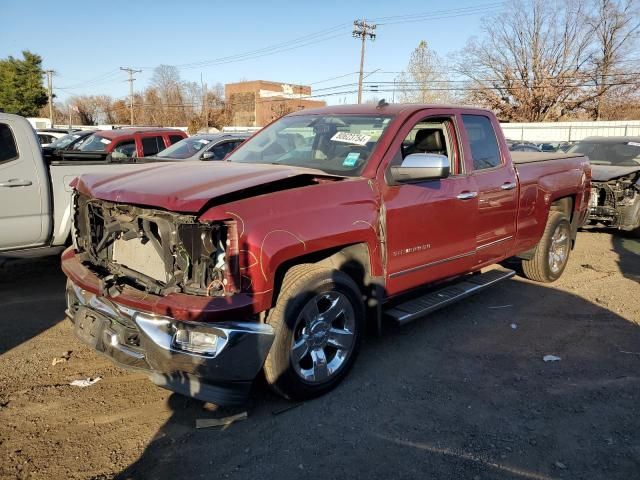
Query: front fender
280, 227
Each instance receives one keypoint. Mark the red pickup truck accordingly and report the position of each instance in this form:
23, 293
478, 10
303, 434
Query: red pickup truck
317, 228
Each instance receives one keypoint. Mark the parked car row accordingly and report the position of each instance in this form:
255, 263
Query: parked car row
548, 147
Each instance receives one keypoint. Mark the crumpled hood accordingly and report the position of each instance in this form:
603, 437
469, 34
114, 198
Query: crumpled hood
603, 173
186, 187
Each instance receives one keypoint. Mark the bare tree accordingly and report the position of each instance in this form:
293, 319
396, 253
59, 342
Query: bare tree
531, 63
615, 25
423, 81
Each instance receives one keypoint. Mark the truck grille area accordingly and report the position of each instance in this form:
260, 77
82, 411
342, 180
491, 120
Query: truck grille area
153, 250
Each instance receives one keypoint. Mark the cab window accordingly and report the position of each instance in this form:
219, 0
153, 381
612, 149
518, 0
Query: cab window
152, 145
483, 141
8, 148
431, 135
125, 149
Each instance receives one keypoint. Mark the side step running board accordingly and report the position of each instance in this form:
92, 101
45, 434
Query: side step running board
420, 306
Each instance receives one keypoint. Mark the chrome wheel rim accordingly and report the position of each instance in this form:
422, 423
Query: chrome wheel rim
324, 337
559, 248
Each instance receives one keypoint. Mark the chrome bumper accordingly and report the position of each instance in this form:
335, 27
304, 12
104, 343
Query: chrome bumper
144, 341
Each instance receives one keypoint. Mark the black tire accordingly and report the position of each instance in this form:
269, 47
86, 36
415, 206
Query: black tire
302, 287
541, 268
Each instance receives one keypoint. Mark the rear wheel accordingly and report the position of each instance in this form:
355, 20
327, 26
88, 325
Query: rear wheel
552, 252
318, 320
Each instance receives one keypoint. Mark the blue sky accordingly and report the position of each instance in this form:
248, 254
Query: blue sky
86, 42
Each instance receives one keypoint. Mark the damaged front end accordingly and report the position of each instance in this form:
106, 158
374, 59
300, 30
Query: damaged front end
154, 250
616, 202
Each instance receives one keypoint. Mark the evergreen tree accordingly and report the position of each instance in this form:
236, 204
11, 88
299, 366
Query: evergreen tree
21, 89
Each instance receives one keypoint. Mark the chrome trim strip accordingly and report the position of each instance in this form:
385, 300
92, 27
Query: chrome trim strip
430, 264
490, 244
444, 260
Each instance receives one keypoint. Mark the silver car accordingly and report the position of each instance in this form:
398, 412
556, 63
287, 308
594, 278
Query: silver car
212, 146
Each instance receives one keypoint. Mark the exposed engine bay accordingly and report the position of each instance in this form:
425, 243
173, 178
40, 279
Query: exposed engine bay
154, 250
616, 202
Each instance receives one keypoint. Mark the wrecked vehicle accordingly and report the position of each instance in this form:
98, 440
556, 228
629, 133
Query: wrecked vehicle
316, 228
615, 188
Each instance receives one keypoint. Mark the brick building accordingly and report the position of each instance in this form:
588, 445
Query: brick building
258, 102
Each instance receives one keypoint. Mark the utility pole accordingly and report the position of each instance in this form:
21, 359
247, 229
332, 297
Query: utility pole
50, 88
130, 71
362, 30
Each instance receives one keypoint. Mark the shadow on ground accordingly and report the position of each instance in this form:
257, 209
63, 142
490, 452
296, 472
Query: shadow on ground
464, 393
31, 298
627, 246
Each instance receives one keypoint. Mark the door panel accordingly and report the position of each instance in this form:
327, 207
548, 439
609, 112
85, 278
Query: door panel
430, 232
497, 190
21, 208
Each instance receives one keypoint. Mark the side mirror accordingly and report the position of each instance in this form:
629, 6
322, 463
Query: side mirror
207, 156
421, 166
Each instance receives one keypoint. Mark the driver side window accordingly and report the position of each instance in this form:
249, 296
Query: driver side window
430, 135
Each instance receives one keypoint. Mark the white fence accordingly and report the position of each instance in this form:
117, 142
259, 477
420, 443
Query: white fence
570, 131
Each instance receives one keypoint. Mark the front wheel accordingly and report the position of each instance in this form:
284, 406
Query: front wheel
552, 252
318, 321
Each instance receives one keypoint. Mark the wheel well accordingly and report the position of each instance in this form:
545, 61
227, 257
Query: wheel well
354, 260
564, 204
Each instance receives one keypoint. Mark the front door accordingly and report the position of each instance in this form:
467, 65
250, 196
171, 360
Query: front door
23, 194
431, 225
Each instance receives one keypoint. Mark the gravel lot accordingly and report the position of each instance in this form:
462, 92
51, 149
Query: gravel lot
464, 393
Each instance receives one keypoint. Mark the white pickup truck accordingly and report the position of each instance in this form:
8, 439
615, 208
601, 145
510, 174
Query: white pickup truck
35, 196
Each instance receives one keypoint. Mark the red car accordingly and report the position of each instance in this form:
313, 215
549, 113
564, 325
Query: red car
132, 142
313, 230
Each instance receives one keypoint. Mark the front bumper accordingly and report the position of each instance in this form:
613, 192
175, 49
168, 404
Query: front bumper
145, 341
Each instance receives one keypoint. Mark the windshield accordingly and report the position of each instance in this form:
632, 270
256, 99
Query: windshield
623, 154
64, 141
184, 148
95, 143
337, 144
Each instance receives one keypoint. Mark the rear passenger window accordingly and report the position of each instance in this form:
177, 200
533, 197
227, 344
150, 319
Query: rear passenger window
483, 141
152, 145
174, 139
8, 148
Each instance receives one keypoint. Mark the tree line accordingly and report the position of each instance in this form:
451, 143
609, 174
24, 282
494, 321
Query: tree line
535, 60
539, 60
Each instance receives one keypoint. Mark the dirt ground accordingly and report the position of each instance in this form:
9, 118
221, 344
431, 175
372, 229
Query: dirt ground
464, 393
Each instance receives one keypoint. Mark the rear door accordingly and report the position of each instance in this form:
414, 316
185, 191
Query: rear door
497, 188
431, 225
24, 188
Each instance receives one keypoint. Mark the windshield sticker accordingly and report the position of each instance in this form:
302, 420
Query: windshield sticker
635, 144
204, 141
354, 138
106, 141
351, 159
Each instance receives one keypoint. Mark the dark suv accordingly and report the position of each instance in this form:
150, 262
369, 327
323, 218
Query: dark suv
132, 142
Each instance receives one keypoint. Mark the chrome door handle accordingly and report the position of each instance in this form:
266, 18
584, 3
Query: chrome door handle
467, 195
508, 186
16, 182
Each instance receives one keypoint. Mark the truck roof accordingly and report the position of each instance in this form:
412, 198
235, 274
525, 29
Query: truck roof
121, 132
388, 109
